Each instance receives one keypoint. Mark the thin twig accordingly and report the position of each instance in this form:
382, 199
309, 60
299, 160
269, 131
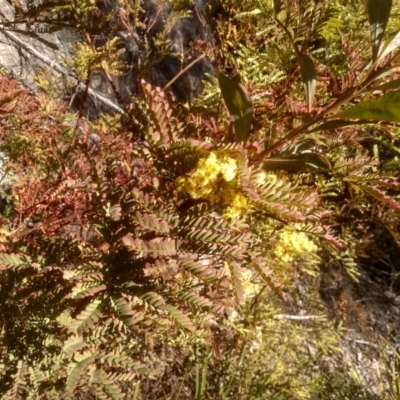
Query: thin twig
349, 95
18, 234
374, 345
80, 116
297, 317
153, 22
183, 71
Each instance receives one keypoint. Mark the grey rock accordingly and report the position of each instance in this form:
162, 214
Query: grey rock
19, 62
24, 56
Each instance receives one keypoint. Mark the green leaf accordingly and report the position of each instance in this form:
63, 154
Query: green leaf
391, 44
382, 73
299, 147
309, 77
378, 14
239, 104
386, 108
137, 391
335, 124
296, 162
395, 84
278, 6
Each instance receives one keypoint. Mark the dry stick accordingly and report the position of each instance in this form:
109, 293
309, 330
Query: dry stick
294, 133
374, 345
64, 71
27, 231
81, 111
297, 317
183, 71
153, 22
114, 88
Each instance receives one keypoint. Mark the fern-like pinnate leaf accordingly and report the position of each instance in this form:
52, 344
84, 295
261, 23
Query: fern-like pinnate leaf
125, 362
166, 247
36, 377
18, 389
237, 280
280, 199
201, 270
168, 127
153, 299
114, 212
111, 388
382, 196
199, 301
14, 261
180, 317
87, 318
149, 204
91, 291
77, 373
164, 268
151, 222
267, 276
125, 312
73, 344
159, 303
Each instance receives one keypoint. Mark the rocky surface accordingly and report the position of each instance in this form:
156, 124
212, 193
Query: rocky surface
18, 60
24, 56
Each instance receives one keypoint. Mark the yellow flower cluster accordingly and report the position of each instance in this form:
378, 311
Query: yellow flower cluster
237, 206
262, 178
293, 244
251, 287
215, 180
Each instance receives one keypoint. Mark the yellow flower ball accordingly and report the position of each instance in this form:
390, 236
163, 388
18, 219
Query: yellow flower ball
228, 168
262, 178
293, 244
214, 180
